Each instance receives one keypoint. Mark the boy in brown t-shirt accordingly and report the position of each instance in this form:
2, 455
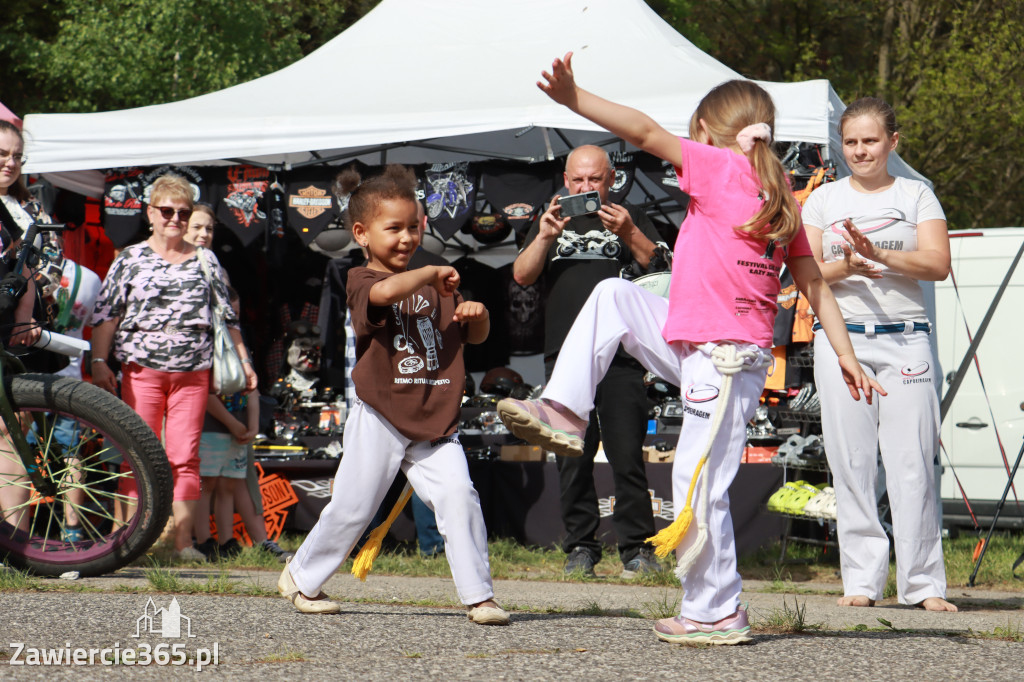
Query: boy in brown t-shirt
409, 379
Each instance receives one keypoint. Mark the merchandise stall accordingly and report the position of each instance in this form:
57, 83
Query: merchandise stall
442, 95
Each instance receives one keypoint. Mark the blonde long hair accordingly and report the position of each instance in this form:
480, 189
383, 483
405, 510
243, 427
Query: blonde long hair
728, 109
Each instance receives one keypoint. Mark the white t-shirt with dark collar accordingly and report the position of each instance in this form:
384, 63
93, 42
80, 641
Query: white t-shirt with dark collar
889, 219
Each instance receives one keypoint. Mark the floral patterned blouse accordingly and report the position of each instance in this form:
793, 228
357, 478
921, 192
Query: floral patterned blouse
164, 309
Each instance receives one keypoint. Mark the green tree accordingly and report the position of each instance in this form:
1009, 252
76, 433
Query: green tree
952, 69
90, 55
959, 87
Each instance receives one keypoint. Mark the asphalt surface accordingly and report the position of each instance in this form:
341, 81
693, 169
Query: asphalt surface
411, 628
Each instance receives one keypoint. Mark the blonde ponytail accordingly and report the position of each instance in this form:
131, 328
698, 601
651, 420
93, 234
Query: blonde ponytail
724, 113
779, 218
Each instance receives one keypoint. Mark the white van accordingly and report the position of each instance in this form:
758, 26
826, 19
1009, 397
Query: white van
991, 398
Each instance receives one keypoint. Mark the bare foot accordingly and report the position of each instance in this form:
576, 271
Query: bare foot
937, 604
489, 604
855, 600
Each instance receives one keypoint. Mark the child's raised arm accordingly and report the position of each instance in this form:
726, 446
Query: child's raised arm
809, 280
631, 125
444, 278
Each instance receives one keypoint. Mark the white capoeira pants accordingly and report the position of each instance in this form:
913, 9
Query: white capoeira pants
374, 452
905, 425
621, 312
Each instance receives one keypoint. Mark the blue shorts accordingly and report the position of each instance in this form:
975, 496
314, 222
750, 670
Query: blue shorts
221, 455
66, 431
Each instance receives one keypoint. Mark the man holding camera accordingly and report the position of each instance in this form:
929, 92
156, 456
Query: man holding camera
576, 247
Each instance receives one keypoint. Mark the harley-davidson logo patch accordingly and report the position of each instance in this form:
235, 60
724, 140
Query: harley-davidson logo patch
310, 201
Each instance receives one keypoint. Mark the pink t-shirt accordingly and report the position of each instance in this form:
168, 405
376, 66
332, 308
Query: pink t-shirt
725, 283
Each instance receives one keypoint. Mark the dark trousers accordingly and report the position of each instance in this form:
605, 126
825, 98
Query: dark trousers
621, 425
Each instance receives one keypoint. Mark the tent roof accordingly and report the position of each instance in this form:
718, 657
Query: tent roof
412, 70
416, 82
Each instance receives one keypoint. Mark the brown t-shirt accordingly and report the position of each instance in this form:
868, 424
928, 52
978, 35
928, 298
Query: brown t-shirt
408, 357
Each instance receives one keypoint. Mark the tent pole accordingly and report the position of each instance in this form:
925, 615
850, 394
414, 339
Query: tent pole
995, 518
954, 386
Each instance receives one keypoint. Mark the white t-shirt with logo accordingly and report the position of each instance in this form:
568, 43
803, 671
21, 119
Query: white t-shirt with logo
889, 219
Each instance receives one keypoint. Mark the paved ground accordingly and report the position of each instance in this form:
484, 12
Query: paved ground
396, 628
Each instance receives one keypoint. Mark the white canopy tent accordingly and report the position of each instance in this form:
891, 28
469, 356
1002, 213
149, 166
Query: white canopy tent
415, 82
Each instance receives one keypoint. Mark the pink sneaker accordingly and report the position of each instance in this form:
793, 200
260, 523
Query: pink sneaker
734, 629
544, 423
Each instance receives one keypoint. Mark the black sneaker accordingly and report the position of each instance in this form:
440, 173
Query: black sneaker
275, 549
581, 561
644, 563
229, 549
208, 548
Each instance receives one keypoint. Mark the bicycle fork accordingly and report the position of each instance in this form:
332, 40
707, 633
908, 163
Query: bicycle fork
35, 467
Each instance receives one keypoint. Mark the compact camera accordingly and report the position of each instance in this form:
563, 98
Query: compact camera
580, 204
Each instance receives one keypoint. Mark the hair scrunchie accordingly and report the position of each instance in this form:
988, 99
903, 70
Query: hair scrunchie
757, 131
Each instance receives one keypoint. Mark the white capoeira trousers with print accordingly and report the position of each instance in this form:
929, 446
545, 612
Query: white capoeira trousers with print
374, 452
621, 312
905, 426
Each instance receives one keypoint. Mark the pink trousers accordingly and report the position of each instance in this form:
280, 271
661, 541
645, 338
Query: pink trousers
179, 399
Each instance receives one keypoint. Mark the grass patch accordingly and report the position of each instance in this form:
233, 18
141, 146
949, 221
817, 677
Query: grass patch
254, 590
1011, 633
995, 571
411, 654
665, 606
806, 563
283, 656
787, 620
591, 608
162, 579
13, 579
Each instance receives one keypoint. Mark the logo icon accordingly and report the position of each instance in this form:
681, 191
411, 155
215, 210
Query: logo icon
787, 296
310, 202
701, 393
660, 507
915, 369
164, 622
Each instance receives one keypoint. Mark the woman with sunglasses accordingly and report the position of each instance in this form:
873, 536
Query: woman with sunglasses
154, 312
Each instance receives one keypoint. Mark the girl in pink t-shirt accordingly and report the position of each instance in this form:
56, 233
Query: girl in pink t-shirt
712, 337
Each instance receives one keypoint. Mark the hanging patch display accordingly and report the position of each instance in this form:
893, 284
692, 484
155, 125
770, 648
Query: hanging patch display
126, 192
451, 196
480, 282
663, 174
310, 205
122, 205
519, 192
240, 201
193, 174
624, 164
524, 313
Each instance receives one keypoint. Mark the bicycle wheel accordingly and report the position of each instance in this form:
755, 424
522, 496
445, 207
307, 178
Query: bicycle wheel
94, 448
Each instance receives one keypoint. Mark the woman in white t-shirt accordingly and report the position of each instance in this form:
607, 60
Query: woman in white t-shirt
875, 238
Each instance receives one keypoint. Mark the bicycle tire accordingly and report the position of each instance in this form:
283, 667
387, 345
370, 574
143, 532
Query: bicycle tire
102, 427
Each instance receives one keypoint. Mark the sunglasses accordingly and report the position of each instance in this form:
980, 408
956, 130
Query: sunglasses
167, 212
